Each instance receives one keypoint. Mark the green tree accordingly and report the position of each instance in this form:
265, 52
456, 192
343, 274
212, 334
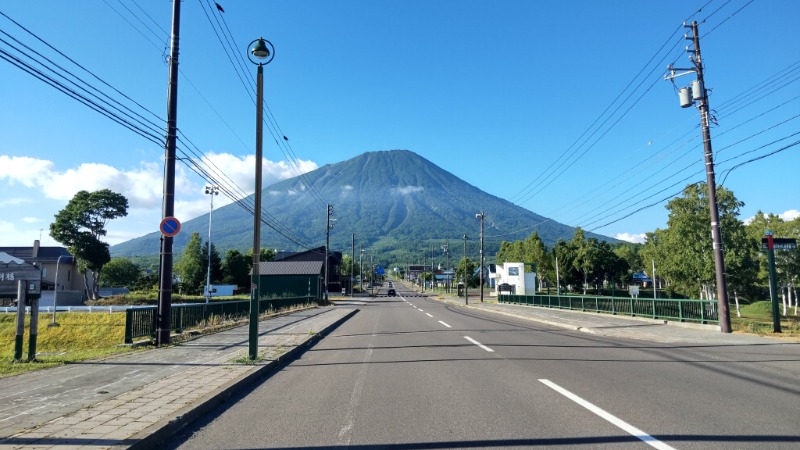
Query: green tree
236, 268
216, 263
121, 272
190, 267
465, 266
684, 247
81, 224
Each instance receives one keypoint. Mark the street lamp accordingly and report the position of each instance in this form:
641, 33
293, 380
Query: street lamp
263, 50
55, 294
361, 270
211, 190
480, 217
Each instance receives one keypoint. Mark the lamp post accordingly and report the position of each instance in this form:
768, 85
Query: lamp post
480, 217
361, 270
264, 52
466, 284
211, 190
55, 294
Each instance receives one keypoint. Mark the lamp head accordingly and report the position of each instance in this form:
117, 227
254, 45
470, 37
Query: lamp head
260, 49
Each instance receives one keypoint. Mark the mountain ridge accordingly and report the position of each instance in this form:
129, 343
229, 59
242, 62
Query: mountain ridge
398, 204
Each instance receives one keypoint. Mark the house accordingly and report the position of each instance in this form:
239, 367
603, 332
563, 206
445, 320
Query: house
59, 272
318, 254
291, 279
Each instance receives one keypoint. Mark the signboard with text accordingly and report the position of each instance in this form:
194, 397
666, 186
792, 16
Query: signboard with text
779, 243
11, 274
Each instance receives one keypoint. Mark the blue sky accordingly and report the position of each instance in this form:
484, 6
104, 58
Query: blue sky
560, 107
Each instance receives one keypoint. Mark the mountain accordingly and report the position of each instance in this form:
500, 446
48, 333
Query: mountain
398, 204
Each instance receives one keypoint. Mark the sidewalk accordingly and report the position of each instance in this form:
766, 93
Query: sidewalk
627, 327
135, 400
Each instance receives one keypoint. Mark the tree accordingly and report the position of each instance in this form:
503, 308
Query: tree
190, 267
216, 263
468, 267
121, 272
81, 224
684, 247
236, 268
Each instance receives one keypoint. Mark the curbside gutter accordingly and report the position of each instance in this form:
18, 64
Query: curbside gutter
153, 436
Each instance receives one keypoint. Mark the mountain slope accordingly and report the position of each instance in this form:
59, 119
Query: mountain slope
397, 203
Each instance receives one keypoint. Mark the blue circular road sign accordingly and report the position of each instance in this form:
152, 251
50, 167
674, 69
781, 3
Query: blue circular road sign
170, 226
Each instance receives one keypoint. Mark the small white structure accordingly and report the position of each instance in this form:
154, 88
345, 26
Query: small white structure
512, 279
221, 290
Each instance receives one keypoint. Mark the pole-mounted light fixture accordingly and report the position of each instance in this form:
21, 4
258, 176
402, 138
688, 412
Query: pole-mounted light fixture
263, 50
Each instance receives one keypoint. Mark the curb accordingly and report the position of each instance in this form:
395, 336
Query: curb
153, 436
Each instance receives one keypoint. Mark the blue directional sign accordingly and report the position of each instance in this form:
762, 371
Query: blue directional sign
170, 226
379, 271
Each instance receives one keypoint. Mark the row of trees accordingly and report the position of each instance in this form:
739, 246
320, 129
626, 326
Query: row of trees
681, 252
191, 269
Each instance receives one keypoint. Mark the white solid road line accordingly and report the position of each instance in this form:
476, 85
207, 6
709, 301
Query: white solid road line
427, 314
646, 438
448, 326
478, 344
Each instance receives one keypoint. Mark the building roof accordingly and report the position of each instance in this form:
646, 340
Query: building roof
5, 258
43, 254
290, 268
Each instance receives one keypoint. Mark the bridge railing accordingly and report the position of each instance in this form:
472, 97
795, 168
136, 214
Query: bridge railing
141, 321
683, 310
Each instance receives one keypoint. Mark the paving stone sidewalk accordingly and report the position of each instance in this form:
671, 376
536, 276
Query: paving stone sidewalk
134, 400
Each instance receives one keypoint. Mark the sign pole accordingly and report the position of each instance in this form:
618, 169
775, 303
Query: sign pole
20, 320
773, 285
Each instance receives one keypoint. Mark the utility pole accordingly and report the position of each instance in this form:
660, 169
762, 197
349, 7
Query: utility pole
329, 211
352, 265
480, 216
447, 265
698, 93
168, 202
466, 284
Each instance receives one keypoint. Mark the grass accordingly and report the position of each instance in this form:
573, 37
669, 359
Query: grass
757, 319
79, 337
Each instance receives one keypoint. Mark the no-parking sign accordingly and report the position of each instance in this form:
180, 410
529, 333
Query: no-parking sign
170, 226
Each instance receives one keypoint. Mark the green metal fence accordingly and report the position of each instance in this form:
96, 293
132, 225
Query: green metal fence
141, 321
701, 311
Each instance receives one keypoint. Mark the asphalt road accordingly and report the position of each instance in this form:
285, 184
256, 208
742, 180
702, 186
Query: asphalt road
413, 373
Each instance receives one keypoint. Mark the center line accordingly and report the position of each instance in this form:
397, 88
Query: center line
478, 344
428, 315
646, 438
448, 326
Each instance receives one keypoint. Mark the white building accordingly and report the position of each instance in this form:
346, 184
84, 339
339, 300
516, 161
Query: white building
512, 279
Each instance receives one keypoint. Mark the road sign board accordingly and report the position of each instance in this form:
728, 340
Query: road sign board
779, 243
170, 226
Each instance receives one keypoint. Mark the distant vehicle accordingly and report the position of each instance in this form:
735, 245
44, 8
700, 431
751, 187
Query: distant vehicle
390, 284
391, 293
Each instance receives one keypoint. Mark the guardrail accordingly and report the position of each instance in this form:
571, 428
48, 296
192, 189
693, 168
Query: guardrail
700, 311
141, 321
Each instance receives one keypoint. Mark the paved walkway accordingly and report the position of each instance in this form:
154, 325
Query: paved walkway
134, 400
613, 325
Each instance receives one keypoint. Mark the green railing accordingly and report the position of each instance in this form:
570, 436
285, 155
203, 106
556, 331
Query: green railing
141, 321
701, 311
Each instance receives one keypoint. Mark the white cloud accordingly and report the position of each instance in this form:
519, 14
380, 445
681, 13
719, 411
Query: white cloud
142, 186
347, 187
637, 238
405, 190
790, 215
